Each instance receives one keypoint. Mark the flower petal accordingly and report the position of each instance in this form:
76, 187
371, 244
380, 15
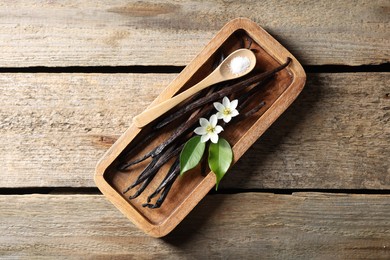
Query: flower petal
233, 104
200, 130
203, 122
227, 118
213, 120
218, 106
226, 102
218, 129
220, 115
214, 137
204, 138
234, 113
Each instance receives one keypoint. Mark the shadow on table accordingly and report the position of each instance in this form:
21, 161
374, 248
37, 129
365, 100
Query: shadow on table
193, 224
294, 119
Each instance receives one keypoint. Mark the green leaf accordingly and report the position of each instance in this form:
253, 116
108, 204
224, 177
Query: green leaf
220, 158
191, 154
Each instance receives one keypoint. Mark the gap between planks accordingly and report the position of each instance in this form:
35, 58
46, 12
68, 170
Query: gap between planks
95, 191
327, 68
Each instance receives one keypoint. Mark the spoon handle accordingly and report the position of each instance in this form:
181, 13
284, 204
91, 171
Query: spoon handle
156, 111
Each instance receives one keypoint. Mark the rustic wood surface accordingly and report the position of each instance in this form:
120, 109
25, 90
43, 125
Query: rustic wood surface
96, 33
190, 189
54, 128
239, 226
333, 140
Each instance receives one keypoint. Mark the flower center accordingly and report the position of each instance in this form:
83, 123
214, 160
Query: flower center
227, 111
210, 129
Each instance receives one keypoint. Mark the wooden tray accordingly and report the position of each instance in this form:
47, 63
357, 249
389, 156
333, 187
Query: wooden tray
188, 190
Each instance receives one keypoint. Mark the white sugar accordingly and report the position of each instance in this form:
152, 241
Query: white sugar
239, 65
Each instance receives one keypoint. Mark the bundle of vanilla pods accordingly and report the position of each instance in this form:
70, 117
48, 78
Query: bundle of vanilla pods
200, 105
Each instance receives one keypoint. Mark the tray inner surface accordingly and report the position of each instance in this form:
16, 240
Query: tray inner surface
233, 132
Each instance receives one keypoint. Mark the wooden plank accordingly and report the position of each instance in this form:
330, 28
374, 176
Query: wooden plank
239, 226
336, 135
55, 127
96, 33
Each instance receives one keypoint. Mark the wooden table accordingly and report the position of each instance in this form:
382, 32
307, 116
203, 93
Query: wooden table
74, 74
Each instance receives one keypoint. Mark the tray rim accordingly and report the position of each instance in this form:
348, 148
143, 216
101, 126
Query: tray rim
276, 51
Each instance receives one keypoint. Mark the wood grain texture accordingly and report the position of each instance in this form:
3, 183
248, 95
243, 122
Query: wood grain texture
93, 33
240, 226
55, 127
336, 134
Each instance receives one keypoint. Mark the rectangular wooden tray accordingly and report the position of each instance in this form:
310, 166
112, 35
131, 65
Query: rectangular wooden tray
188, 190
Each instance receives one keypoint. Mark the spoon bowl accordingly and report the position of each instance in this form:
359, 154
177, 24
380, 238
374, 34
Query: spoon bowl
229, 69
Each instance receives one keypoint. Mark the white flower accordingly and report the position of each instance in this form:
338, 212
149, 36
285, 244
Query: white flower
208, 129
227, 109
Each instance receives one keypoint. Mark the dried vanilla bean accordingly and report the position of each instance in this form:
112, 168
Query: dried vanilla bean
171, 175
150, 171
166, 157
147, 169
252, 111
245, 98
142, 188
161, 199
163, 195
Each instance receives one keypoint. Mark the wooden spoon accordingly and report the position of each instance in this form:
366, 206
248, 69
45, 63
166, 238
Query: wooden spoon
222, 73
